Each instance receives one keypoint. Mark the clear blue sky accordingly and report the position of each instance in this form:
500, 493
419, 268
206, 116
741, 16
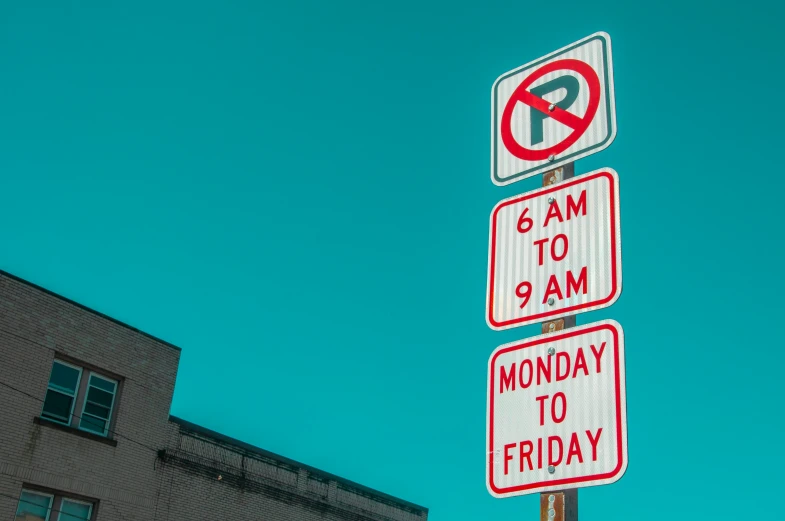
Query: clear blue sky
298, 195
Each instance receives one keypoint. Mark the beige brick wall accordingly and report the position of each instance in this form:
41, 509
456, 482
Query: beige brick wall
35, 327
129, 480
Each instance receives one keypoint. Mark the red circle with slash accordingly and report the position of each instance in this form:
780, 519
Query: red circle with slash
578, 125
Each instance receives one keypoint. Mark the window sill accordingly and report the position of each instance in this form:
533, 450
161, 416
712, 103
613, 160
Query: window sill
73, 430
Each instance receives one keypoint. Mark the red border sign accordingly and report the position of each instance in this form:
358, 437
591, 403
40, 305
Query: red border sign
577, 124
614, 256
619, 412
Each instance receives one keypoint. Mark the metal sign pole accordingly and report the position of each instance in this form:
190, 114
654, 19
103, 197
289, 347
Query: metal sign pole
563, 505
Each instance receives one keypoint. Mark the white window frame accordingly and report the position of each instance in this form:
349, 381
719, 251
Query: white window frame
63, 499
111, 407
38, 493
75, 396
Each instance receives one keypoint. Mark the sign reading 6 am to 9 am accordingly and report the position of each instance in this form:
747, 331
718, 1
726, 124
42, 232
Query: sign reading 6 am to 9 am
553, 110
555, 251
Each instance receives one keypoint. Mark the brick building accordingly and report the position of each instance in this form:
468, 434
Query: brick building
86, 433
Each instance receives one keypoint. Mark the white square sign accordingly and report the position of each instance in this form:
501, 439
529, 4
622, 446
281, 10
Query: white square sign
557, 414
553, 111
555, 251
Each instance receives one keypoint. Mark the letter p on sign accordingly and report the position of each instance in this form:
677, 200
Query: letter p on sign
553, 111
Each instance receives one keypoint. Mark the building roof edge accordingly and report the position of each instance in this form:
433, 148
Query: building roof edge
321, 473
85, 308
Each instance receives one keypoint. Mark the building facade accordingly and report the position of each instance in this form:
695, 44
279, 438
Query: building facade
86, 433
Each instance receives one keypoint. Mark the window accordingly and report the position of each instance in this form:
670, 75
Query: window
34, 506
73, 510
61, 393
86, 403
98, 405
40, 506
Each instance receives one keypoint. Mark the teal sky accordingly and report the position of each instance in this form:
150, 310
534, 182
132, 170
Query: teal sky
297, 194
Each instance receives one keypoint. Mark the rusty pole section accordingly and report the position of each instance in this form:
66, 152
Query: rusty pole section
559, 506
562, 505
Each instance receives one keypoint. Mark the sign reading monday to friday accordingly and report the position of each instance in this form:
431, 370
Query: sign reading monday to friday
557, 411
553, 110
555, 251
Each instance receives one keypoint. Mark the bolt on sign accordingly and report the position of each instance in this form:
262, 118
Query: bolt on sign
555, 251
557, 413
553, 111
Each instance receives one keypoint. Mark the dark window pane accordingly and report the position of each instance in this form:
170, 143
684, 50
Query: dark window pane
64, 377
100, 397
57, 406
93, 424
71, 511
103, 384
97, 410
32, 507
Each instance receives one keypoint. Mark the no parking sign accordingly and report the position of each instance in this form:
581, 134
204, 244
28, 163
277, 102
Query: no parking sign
556, 402
553, 110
